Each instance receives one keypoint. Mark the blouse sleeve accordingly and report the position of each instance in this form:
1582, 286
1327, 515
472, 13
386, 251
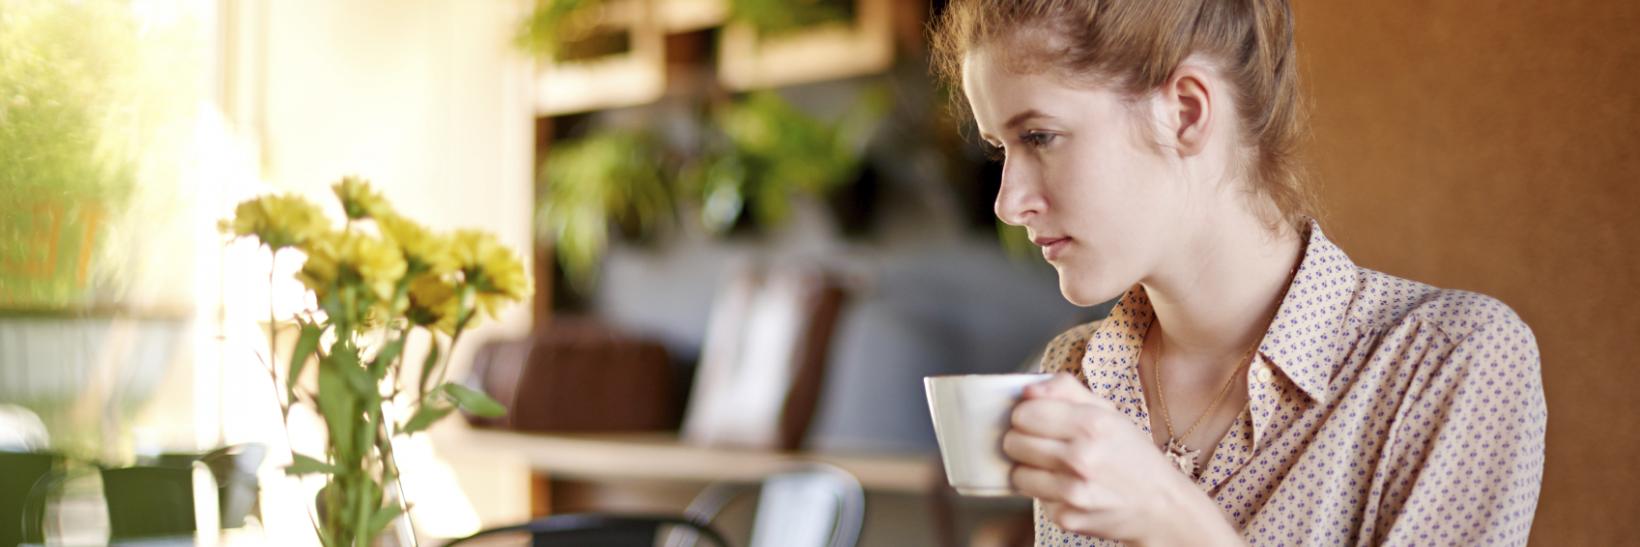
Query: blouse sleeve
1467, 461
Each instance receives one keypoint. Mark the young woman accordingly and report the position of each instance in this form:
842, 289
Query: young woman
1252, 384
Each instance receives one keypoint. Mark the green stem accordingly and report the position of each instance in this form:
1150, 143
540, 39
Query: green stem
427, 370
273, 325
391, 465
444, 370
464, 314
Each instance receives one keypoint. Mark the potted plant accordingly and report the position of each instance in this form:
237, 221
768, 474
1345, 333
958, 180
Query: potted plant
374, 282
89, 111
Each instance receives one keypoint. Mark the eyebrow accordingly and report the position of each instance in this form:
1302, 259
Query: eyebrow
1023, 117
1019, 119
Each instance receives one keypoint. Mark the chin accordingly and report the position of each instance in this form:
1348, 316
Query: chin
1088, 290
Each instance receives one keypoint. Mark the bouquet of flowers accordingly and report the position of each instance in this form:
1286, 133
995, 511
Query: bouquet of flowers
374, 282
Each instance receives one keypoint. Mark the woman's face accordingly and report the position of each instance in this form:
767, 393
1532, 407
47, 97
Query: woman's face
1078, 175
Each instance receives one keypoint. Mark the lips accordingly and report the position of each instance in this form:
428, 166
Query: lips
1052, 247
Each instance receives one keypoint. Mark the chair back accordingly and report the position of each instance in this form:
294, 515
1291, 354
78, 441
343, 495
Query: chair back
234, 468
810, 505
598, 530
149, 501
813, 506
20, 474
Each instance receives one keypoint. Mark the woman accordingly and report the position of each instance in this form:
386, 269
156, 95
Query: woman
1252, 385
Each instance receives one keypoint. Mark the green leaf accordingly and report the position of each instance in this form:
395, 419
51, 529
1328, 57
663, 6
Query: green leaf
385, 357
426, 416
339, 407
306, 343
474, 401
383, 517
346, 362
428, 363
305, 465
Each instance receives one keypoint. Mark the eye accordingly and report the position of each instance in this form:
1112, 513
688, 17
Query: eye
1037, 139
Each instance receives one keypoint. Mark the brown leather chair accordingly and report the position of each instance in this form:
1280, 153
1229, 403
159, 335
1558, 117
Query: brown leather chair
578, 376
757, 385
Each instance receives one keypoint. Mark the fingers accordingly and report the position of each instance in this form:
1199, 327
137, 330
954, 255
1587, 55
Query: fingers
1065, 387
1054, 488
1061, 385
1034, 451
1054, 418
1040, 483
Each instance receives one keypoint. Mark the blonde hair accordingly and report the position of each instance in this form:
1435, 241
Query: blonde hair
1136, 45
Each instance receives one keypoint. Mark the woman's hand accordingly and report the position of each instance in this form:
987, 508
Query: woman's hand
1097, 474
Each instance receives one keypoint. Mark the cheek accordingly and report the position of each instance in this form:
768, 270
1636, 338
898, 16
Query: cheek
1087, 189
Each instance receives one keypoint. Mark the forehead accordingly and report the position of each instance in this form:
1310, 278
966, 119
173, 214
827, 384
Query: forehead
996, 91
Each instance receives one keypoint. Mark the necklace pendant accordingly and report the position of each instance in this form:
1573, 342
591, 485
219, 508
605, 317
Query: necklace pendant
1183, 457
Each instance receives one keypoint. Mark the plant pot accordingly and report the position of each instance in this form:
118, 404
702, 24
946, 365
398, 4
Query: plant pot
52, 363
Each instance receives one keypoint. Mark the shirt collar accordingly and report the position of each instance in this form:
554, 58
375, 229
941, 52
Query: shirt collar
1307, 338
1305, 341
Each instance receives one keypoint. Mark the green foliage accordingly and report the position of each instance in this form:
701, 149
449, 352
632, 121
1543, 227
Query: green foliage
773, 17
90, 109
766, 153
305, 465
553, 26
384, 516
306, 343
61, 66
427, 415
553, 23
474, 401
776, 152
591, 182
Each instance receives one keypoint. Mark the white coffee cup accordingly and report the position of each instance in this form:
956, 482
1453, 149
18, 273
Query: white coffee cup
971, 412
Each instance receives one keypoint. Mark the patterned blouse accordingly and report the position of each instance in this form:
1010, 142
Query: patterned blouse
1381, 411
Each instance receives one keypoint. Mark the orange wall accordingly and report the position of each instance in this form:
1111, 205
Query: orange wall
1493, 146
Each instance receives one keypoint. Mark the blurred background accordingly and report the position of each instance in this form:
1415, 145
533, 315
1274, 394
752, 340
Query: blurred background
754, 226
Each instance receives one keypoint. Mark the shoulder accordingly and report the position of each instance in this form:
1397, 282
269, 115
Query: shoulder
1067, 348
1385, 303
1449, 338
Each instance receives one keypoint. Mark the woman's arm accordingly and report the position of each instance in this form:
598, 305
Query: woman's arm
1466, 458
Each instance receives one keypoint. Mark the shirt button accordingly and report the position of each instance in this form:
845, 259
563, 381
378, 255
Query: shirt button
1264, 374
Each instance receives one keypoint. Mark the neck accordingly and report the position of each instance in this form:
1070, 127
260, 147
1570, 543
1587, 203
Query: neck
1216, 299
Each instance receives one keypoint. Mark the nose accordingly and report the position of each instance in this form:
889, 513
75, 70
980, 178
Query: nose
1018, 196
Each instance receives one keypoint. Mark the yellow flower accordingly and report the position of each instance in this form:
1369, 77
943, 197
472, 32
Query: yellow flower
341, 259
424, 250
278, 221
358, 200
496, 274
433, 304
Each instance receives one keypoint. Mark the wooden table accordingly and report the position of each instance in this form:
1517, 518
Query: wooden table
663, 456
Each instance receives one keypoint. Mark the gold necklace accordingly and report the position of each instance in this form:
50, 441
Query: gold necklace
1183, 456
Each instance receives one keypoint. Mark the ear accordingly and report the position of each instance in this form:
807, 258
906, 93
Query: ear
1190, 103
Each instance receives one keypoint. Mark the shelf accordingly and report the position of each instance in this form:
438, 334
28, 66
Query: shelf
662, 456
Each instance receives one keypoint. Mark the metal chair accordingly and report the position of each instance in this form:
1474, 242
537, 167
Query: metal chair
810, 505
20, 474
598, 530
234, 468
149, 501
